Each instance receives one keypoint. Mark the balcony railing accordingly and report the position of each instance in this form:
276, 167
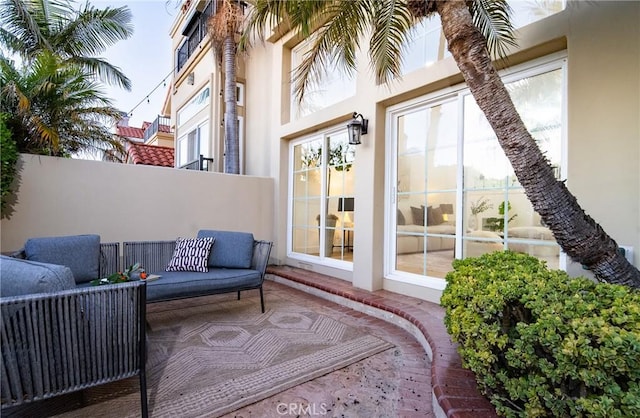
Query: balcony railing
161, 124
202, 164
196, 30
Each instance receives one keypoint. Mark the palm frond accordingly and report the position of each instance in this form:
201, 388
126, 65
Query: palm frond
103, 70
493, 19
391, 25
94, 30
330, 47
23, 20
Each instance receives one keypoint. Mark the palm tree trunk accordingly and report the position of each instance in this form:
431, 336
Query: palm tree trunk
232, 143
575, 231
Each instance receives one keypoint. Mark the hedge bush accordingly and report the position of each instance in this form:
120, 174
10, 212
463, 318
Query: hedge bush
542, 343
8, 160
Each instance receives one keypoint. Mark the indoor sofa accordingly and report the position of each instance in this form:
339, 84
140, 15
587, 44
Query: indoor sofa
411, 220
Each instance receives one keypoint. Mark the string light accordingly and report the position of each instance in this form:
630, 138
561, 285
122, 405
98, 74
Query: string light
163, 83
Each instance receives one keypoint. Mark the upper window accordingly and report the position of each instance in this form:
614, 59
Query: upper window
332, 87
194, 31
195, 105
426, 43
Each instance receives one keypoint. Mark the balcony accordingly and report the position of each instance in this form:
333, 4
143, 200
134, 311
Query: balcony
195, 31
160, 124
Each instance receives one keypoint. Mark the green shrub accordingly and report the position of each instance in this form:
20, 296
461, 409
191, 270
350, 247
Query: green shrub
8, 158
542, 343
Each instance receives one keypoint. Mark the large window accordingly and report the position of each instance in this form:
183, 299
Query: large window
427, 45
322, 203
333, 85
192, 145
453, 191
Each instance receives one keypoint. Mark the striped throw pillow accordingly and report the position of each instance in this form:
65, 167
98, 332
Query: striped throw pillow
191, 254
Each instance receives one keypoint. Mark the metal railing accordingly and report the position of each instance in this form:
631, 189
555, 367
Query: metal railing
202, 164
198, 31
196, 35
160, 124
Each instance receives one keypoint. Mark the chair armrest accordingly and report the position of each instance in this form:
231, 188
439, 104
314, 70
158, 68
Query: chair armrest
61, 342
260, 259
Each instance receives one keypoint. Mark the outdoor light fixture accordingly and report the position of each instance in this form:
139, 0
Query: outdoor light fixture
357, 128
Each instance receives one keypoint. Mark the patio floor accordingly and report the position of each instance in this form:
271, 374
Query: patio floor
420, 377
453, 390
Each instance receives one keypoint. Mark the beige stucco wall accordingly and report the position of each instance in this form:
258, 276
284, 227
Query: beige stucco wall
122, 202
603, 132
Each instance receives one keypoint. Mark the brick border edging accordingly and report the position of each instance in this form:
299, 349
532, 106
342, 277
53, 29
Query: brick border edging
454, 389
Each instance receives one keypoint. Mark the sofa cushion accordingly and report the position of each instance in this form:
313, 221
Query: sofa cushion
191, 254
232, 249
400, 218
435, 216
81, 253
417, 214
23, 277
175, 285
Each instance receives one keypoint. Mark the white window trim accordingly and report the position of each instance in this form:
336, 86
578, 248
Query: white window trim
538, 66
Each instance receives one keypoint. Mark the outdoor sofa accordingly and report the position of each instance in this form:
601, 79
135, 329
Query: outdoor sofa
236, 262
60, 336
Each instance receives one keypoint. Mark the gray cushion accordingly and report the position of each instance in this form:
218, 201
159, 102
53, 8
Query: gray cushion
81, 253
174, 285
231, 249
23, 277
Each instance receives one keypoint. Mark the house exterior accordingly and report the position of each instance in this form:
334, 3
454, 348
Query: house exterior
157, 132
428, 183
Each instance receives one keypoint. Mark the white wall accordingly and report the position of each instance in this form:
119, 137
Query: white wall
59, 196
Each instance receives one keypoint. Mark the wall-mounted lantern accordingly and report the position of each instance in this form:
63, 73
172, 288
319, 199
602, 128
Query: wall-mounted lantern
356, 128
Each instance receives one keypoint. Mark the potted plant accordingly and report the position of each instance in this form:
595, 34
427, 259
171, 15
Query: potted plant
477, 207
497, 224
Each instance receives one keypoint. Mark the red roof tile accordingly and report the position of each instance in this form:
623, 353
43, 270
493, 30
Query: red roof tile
130, 131
150, 154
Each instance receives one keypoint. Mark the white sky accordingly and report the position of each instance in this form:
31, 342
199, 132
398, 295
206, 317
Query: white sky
146, 57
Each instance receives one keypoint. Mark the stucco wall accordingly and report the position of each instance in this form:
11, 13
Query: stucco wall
120, 202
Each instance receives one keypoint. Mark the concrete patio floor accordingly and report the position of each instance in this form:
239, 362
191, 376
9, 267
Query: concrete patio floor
446, 389
421, 376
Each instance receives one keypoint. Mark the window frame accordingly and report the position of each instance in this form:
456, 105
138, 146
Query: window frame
556, 61
323, 136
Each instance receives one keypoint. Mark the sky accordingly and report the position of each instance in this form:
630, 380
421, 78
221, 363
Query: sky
146, 58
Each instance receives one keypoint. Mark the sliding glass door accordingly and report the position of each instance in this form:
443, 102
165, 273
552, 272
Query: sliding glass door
452, 191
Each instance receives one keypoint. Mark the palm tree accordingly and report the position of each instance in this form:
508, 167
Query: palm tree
223, 27
54, 98
28, 27
471, 29
55, 108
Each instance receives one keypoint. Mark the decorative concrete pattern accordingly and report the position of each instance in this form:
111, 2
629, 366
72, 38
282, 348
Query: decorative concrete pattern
454, 390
